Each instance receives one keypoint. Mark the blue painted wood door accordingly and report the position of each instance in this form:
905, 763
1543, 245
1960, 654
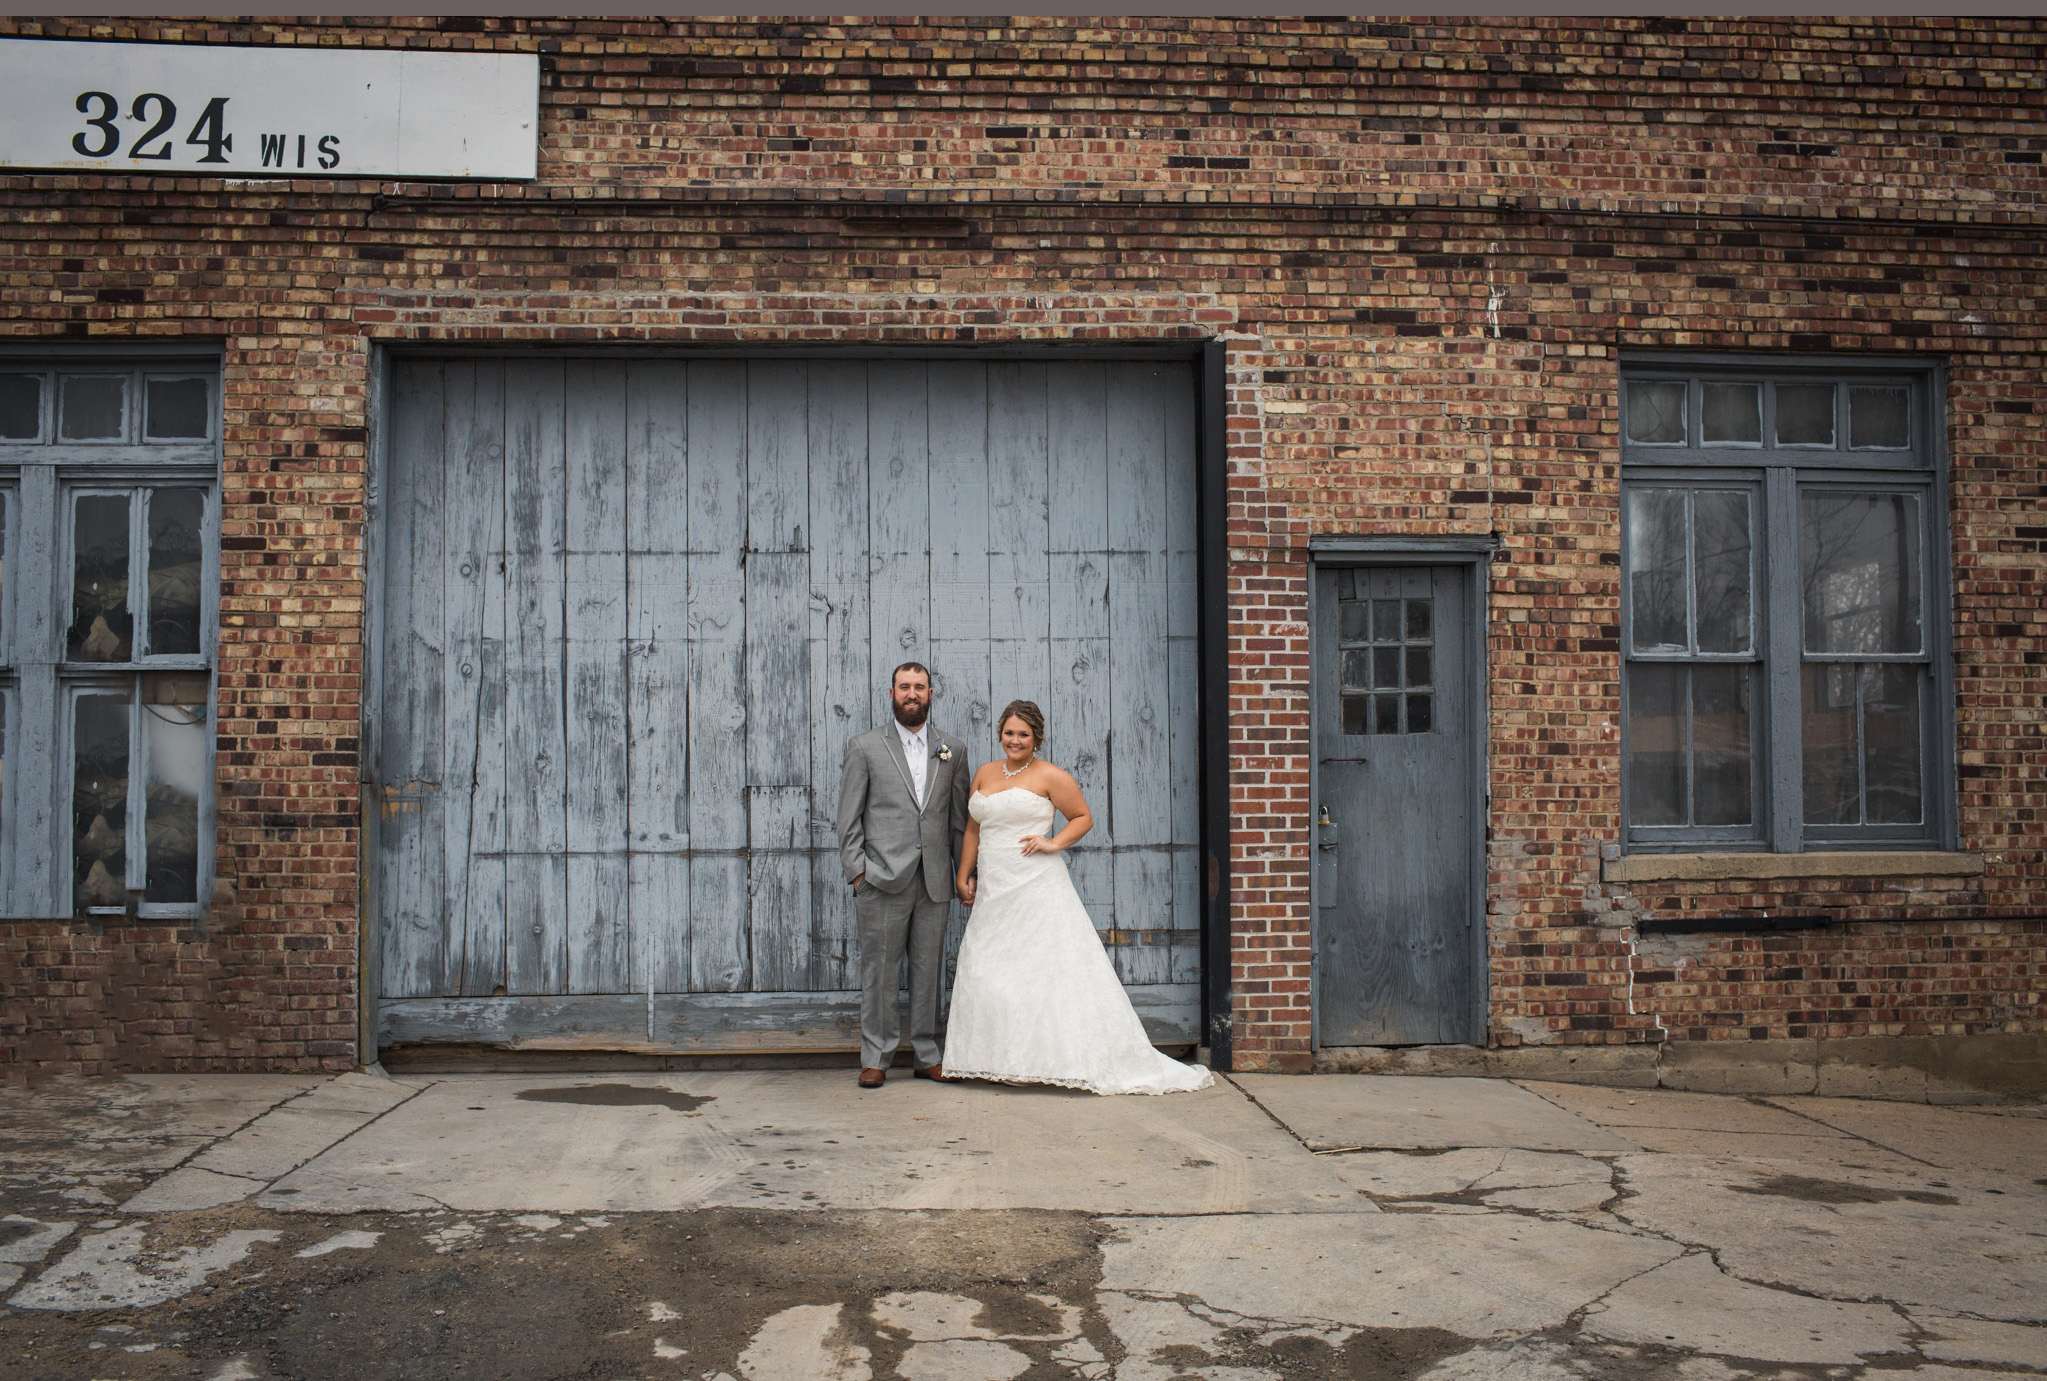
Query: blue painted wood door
633, 610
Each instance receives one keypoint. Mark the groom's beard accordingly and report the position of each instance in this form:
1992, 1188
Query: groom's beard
912, 716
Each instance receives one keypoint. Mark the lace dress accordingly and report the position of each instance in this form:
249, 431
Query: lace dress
1035, 999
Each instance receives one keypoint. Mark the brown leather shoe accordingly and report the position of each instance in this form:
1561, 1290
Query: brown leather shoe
872, 1078
931, 1072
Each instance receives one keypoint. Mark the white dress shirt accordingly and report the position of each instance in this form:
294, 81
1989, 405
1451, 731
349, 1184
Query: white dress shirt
918, 753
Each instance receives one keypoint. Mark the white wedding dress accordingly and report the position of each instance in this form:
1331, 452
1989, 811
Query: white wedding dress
1035, 999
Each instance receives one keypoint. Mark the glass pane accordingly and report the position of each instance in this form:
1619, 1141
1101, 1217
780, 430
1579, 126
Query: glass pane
102, 629
1656, 413
177, 409
1385, 667
176, 551
1731, 414
99, 802
1827, 731
1656, 568
1805, 414
21, 407
1420, 714
1356, 674
1861, 554
1418, 666
1386, 620
1890, 744
1386, 714
1351, 616
1720, 565
1877, 417
1720, 745
1419, 621
1656, 740
1357, 717
94, 408
180, 748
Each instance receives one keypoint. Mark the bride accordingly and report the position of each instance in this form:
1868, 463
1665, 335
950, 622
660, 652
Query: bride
1035, 999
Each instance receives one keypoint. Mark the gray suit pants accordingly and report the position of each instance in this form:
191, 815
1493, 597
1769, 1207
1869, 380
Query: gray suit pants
890, 923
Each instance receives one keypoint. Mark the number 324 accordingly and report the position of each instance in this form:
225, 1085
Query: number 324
206, 131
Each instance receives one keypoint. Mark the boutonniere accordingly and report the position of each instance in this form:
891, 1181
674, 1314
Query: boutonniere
944, 753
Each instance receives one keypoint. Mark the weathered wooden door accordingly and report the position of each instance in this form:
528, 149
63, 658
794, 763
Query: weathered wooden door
633, 610
1399, 959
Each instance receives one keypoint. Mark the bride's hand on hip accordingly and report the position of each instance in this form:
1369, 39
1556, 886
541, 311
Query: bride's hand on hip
1038, 844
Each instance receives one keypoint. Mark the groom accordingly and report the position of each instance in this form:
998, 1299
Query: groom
902, 814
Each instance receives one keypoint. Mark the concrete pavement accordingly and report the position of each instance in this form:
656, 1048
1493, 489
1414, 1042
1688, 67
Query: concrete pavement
768, 1225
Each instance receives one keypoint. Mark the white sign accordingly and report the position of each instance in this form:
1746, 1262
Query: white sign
267, 112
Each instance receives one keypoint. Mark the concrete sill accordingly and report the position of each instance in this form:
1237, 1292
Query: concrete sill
1899, 863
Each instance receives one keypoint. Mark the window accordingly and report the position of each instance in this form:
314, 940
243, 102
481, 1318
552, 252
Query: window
109, 548
1386, 661
1785, 674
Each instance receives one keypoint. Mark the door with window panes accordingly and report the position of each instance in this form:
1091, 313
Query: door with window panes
110, 472
1787, 683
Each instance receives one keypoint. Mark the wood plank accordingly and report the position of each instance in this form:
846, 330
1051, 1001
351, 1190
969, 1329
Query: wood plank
840, 685
899, 524
536, 747
1077, 707
600, 949
1140, 788
473, 888
961, 693
1019, 537
778, 673
657, 705
412, 929
38, 876
517, 1023
1183, 665
715, 674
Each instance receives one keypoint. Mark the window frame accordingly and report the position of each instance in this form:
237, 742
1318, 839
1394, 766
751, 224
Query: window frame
40, 481
1781, 477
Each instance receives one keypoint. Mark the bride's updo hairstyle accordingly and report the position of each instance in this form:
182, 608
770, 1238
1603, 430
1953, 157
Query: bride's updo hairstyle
1030, 714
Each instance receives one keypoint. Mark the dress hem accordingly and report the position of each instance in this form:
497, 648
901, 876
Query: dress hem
1082, 1084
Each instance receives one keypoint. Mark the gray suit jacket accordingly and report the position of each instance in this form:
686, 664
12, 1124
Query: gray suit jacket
882, 832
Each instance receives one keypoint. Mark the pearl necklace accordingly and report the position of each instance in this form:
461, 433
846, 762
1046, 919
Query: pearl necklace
1021, 770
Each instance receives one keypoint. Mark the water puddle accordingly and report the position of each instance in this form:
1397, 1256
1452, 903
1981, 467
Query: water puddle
615, 1096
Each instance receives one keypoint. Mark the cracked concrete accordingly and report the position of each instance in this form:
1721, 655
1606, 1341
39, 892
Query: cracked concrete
754, 1226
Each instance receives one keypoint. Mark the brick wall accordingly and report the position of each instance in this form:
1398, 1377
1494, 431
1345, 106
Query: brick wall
1425, 244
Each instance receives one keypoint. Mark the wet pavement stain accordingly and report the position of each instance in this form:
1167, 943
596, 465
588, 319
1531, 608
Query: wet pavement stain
1814, 1191
615, 1096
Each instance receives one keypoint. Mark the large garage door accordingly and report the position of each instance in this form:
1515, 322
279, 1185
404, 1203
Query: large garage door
633, 610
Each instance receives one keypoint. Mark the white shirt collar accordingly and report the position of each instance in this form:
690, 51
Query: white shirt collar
911, 737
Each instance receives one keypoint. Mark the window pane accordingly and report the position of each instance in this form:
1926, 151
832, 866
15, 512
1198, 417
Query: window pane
1386, 714
1420, 714
1731, 413
1656, 568
1890, 744
102, 629
1356, 673
1386, 620
94, 408
1805, 415
1720, 745
180, 747
1351, 616
177, 409
99, 801
1827, 730
1720, 565
1385, 667
1861, 557
1656, 413
1418, 666
1877, 417
176, 551
1357, 717
1419, 621
21, 407
1656, 736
